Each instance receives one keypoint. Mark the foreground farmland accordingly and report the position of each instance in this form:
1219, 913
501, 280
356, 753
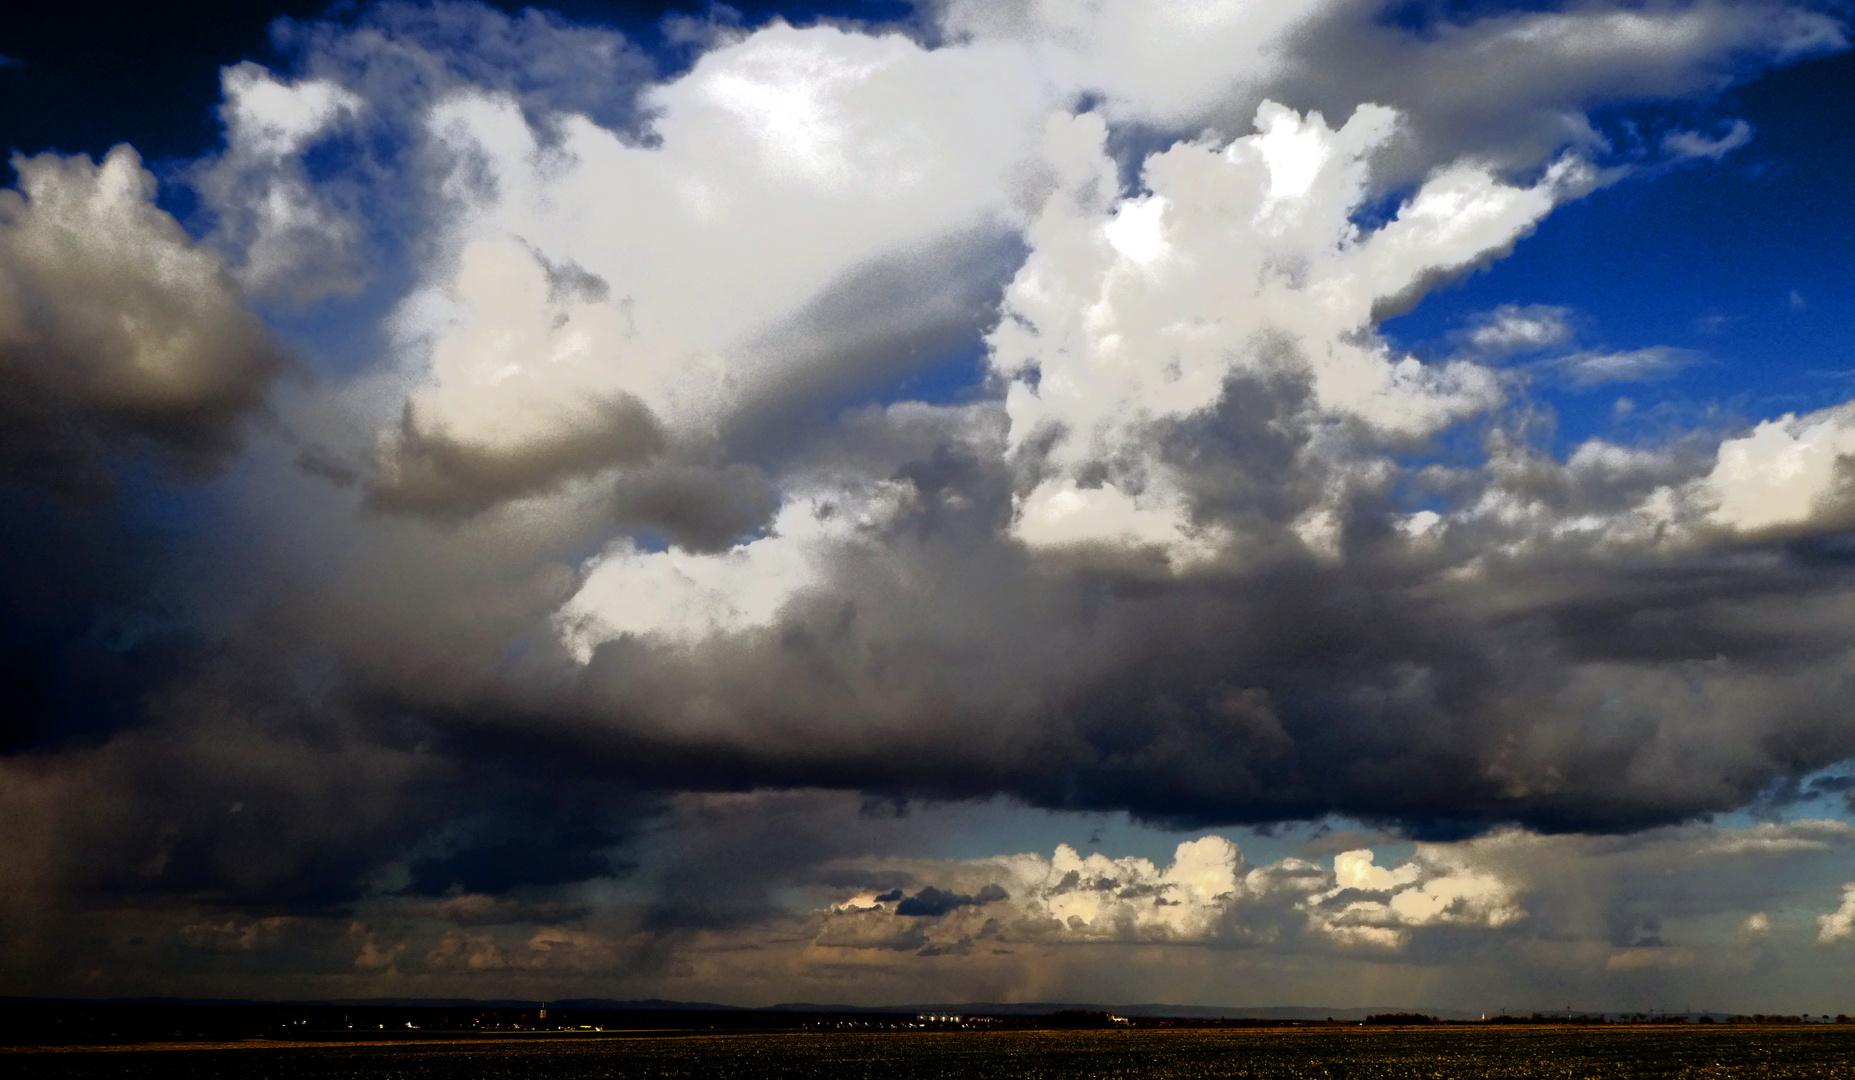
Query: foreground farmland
1603, 1053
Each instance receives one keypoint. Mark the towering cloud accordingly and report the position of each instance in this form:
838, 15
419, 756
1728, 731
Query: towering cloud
115, 328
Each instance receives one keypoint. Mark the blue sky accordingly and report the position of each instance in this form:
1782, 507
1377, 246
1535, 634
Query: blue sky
1745, 262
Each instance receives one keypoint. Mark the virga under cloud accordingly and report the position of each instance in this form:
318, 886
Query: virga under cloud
603, 476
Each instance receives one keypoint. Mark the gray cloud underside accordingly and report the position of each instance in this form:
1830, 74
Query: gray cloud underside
1567, 696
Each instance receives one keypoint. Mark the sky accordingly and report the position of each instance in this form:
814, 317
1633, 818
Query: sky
1311, 502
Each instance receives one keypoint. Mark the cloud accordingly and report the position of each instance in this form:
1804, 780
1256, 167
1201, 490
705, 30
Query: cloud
1134, 315
1452, 895
1519, 81
1207, 895
1839, 923
1788, 472
289, 237
298, 232
1648, 903
760, 184
824, 107
1512, 328
115, 329
689, 596
1548, 335
1586, 369
1756, 927
932, 902
626, 343
1069, 897
483, 909
1511, 913
1691, 144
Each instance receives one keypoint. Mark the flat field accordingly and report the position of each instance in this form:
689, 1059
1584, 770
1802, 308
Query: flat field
1599, 1053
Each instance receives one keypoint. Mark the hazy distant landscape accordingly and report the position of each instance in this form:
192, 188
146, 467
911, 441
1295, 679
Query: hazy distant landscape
658, 1040
1356, 1053
49, 1022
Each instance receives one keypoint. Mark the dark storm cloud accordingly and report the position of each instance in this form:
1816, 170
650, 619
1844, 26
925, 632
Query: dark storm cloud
1290, 692
699, 508
433, 474
245, 811
237, 788
932, 902
86, 633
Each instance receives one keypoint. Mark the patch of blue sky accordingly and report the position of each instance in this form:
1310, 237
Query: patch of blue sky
1423, 17
953, 378
1823, 793
343, 151
1461, 446
1749, 262
343, 334
178, 198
